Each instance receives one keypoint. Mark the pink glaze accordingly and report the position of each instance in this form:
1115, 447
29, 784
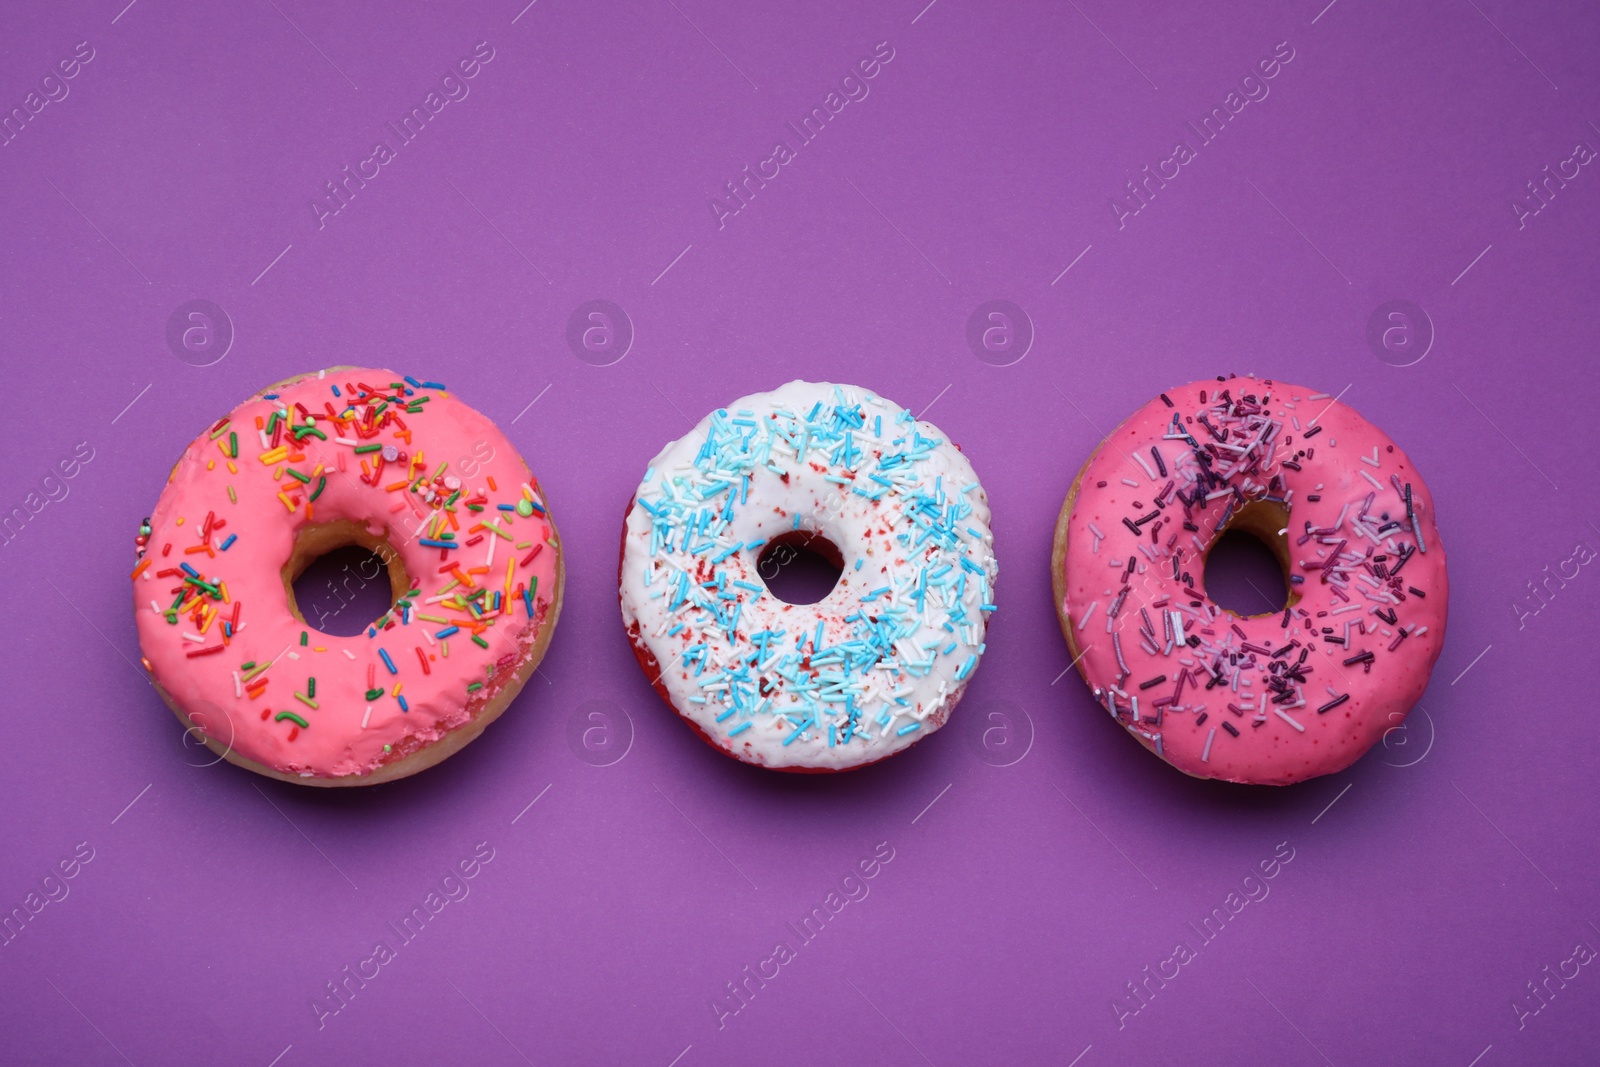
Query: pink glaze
1309, 730
346, 733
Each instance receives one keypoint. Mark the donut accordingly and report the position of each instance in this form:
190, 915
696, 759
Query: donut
346, 456
878, 663
1268, 699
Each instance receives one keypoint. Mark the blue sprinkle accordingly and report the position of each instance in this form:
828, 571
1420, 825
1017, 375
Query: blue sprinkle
810, 721
907, 728
403, 706
741, 728
387, 662
231, 539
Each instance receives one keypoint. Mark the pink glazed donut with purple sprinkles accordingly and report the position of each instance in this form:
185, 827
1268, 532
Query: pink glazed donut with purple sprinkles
1266, 699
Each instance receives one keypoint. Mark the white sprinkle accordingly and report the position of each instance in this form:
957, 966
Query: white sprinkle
1146, 465
349, 654
1370, 478
1205, 757
238, 687
1287, 719
1130, 481
365, 716
1085, 620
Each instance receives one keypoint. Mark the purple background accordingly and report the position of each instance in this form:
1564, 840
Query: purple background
1454, 862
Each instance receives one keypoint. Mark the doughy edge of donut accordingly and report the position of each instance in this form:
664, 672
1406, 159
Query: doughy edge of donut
435, 751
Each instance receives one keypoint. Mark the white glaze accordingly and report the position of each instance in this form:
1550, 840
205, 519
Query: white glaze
901, 674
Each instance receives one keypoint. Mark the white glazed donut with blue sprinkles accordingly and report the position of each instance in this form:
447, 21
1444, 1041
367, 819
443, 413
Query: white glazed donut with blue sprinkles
880, 661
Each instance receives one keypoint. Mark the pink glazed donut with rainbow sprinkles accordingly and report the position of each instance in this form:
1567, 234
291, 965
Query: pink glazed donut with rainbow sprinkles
1266, 699
346, 456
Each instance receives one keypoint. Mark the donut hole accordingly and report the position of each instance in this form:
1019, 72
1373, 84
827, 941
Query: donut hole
800, 567
341, 578
1247, 566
